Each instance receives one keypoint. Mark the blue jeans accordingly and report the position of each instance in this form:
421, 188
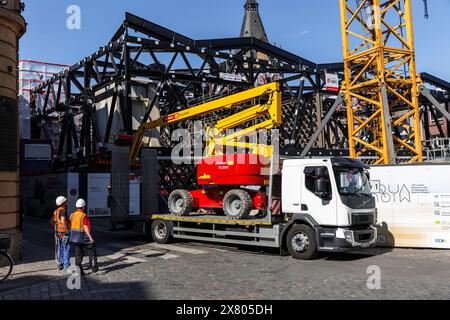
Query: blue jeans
63, 252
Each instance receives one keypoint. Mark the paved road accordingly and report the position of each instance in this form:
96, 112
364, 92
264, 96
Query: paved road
133, 268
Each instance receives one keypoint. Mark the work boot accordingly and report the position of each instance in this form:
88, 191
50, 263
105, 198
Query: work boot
81, 271
60, 268
93, 264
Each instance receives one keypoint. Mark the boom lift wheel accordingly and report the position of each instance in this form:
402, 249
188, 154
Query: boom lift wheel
237, 204
180, 202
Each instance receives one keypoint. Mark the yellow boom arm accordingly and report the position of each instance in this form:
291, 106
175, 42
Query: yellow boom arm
272, 108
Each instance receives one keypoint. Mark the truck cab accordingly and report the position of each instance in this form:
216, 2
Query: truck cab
328, 205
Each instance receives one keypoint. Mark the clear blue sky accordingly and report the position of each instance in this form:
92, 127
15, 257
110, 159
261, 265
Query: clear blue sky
308, 28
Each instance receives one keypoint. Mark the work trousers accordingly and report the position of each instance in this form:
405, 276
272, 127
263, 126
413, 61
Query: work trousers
63, 251
85, 249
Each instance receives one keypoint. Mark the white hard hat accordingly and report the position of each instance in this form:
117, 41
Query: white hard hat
80, 203
60, 200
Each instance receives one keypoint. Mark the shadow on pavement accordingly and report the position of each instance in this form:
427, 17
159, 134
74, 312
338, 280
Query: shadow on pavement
343, 256
354, 255
110, 268
46, 287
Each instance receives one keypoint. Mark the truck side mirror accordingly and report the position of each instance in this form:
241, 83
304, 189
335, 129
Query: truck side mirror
367, 174
321, 172
320, 187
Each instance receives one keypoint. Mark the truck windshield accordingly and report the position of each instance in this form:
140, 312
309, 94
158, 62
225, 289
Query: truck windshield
352, 181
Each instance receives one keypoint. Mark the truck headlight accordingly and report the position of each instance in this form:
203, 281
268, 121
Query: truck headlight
348, 236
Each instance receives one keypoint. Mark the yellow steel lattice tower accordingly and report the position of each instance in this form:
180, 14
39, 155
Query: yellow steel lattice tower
381, 82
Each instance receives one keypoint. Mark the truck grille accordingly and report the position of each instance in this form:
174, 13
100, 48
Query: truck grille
364, 237
363, 218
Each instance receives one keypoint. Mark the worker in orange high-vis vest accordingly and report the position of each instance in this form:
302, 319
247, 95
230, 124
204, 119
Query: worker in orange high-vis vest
60, 222
81, 237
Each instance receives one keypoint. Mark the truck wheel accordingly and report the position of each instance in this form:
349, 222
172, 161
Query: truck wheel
237, 204
180, 202
301, 242
161, 231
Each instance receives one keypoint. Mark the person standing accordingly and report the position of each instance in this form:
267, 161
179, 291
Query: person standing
60, 222
81, 237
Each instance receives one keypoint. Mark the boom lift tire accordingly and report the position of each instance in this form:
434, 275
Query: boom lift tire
161, 231
301, 242
180, 202
237, 204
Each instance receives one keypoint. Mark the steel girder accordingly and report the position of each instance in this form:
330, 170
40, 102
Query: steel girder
143, 52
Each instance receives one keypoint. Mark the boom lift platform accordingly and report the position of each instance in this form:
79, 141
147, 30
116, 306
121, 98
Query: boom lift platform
253, 230
229, 182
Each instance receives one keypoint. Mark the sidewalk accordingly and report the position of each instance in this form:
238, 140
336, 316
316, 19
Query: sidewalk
36, 275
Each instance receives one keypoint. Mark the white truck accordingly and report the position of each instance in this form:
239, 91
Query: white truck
312, 205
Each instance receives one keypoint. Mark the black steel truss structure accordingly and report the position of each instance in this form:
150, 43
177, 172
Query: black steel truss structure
181, 72
441, 92
181, 68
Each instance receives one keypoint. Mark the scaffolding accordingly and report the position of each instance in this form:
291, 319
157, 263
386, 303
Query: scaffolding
32, 73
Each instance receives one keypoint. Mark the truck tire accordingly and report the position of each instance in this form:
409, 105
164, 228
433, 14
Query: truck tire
180, 202
301, 242
161, 231
237, 204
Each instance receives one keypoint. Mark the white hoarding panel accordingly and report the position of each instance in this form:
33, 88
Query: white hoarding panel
413, 205
135, 205
98, 194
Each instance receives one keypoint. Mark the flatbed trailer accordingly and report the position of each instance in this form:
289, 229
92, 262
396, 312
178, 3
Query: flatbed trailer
266, 231
301, 225
253, 231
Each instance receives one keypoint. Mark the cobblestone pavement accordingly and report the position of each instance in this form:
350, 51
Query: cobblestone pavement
133, 268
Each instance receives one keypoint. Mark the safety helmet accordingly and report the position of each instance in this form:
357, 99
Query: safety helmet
80, 203
60, 200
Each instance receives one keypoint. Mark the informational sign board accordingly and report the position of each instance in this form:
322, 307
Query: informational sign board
98, 194
331, 82
230, 77
37, 152
413, 204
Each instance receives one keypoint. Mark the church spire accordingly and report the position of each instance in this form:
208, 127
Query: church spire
252, 25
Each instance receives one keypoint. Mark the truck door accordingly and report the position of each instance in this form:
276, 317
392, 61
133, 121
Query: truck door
292, 181
318, 199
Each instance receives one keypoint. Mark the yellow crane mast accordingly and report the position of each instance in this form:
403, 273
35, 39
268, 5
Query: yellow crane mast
381, 83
